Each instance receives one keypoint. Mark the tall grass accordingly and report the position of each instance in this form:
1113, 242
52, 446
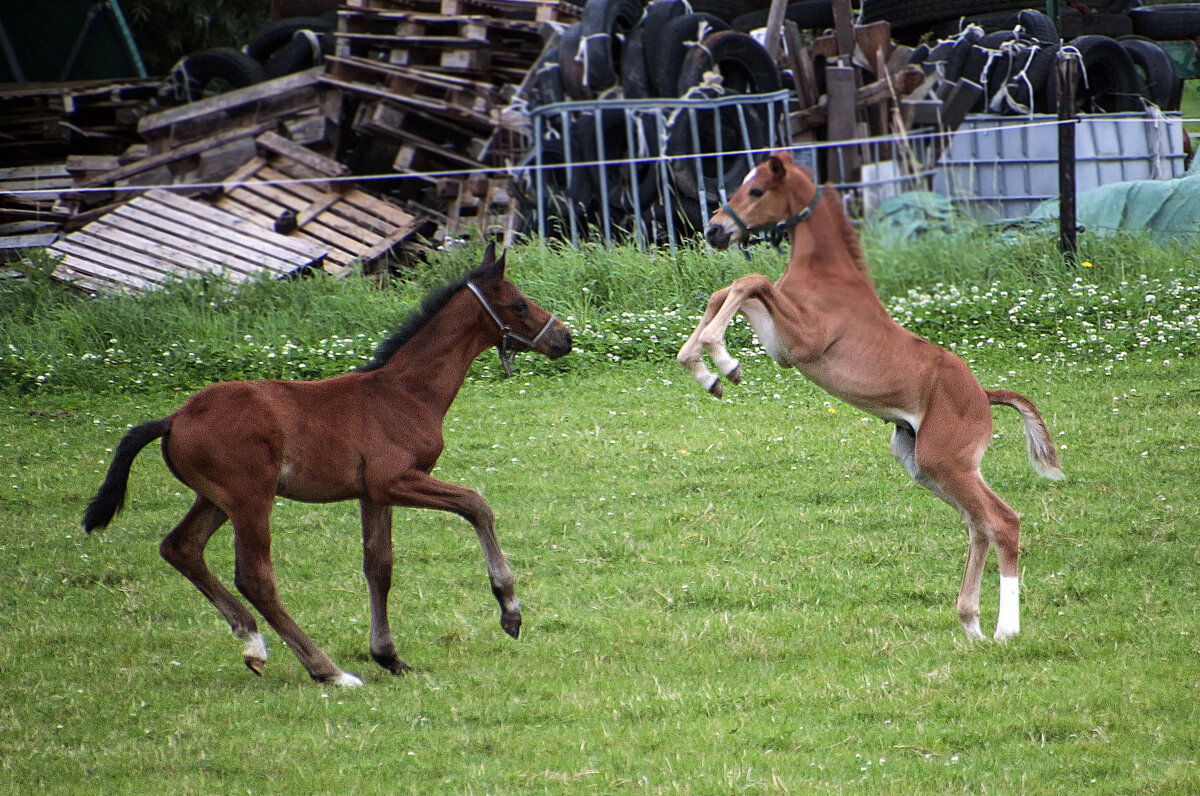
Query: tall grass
623, 303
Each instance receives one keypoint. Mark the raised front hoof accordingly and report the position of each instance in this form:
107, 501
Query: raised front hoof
255, 664
392, 663
735, 375
340, 679
715, 388
511, 623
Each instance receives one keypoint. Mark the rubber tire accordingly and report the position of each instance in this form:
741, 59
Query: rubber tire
1163, 86
635, 83
723, 9
679, 142
658, 15
809, 15
1167, 22
745, 66
1036, 24
225, 63
1113, 84
279, 34
672, 48
611, 19
574, 84
549, 80
916, 16
298, 54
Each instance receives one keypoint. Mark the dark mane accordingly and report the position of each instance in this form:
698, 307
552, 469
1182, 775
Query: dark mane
431, 305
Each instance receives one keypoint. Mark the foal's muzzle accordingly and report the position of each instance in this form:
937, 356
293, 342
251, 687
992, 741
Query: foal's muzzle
718, 236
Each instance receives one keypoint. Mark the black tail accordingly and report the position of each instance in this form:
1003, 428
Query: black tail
111, 497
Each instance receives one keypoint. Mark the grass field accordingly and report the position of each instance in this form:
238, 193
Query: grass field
736, 596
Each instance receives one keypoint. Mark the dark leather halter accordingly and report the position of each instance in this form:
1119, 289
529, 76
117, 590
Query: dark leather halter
772, 233
507, 334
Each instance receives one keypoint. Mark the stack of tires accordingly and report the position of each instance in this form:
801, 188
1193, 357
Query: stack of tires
622, 51
1012, 57
280, 48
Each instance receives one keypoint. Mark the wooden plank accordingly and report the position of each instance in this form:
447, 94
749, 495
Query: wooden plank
317, 207
170, 252
230, 100
248, 170
212, 220
843, 26
345, 238
34, 172
319, 163
840, 88
98, 276
178, 153
234, 207
113, 250
216, 238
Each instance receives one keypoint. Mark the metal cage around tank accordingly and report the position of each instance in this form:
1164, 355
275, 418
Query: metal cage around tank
645, 169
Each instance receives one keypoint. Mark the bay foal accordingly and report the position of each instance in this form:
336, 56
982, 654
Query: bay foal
823, 318
373, 435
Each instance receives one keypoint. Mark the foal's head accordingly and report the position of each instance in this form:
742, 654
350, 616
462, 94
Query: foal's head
776, 191
521, 325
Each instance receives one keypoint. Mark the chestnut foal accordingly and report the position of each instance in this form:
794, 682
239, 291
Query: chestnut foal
823, 318
373, 435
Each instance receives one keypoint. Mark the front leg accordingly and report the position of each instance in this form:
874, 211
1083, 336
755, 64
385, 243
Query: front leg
417, 489
690, 354
377, 566
712, 337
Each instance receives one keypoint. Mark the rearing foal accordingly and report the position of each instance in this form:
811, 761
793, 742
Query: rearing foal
823, 318
373, 435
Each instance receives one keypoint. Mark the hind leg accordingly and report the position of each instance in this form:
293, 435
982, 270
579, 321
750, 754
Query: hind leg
183, 548
255, 579
947, 460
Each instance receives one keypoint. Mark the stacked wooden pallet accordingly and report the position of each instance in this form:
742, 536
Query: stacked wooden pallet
430, 80
45, 122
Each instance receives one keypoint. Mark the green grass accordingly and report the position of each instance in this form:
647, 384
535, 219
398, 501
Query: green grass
736, 596
720, 596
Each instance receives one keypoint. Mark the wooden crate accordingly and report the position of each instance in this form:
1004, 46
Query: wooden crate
159, 237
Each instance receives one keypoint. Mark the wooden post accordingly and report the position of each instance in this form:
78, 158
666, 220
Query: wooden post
1065, 75
774, 24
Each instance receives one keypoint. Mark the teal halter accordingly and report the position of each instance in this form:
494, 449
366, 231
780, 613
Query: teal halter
772, 233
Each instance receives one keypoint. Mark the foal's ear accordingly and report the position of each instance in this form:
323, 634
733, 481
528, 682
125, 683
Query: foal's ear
777, 167
489, 255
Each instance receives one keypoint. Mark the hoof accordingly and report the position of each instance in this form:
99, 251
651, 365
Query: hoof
735, 375
255, 665
346, 680
511, 624
1004, 634
715, 388
392, 663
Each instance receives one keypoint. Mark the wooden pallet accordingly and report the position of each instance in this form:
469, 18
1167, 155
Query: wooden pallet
465, 102
350, 224
480, 203
260, 105
159, 237
524, 10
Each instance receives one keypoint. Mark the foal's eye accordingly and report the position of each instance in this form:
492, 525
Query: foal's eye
520, 307
756, 192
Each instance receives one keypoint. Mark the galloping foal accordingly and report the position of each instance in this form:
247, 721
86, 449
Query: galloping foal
373, 435
823, 318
